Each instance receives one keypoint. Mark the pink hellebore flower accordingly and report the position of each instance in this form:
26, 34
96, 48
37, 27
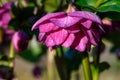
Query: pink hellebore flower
8, 34
20, 41
76, 29
5, 16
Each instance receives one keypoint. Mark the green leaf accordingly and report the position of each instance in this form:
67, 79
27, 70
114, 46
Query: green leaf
51, 5
103, 66
89, 5
86, 2
81, 2
111, 5
103, 6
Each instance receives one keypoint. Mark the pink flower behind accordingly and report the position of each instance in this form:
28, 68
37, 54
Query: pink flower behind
77, 29
5, 16
20, 41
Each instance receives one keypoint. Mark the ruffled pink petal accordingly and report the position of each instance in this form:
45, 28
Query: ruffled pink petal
96, 34
82, 44
59, 36
101, 28
47, 17
74, 29
88, 46
68, 42
87, 24
2, 10
49, 41
46, 27
6, 19
15, 38
7, 5
41, 36
93, 40
86, 15
65, 21
1, 23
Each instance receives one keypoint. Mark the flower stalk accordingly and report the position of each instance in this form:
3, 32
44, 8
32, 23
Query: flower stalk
96, 74
61, 65
86, 67
96, 60
11, 55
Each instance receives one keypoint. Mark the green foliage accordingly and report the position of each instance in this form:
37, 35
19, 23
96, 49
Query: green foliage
110, 5
34, 52
51, 5
103, 66
101, 5
86, 2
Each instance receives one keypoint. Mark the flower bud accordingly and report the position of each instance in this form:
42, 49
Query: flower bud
37, 71
20, 41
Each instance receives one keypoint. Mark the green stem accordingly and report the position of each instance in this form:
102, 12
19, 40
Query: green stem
96, 60
96, 74
11, 55
61, 65
86, 67
96, 66
98, 3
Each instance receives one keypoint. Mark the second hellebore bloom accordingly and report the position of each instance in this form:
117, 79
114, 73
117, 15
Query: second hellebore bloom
5, 16
76, 29
20, 41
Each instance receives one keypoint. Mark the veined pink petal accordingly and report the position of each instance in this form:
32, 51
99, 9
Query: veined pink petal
2, 10
14, 41
78, 41
46, 27
59, 37
41, 36
96, 34
1, 23
82, 44
47, 17
7, 5
6, 19
49, 41
68, 42
101, 28
73, 29
65, 21
92, 38
87, 15
87, 24
88, 46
